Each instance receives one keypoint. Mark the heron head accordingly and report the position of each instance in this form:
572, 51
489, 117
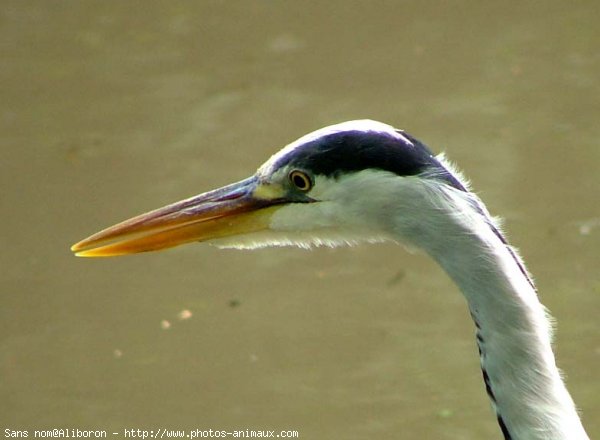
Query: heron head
337, 185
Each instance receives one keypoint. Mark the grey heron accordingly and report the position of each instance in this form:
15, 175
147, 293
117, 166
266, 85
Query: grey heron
365, 181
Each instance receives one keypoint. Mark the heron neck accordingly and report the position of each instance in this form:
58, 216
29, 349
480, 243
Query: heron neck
513, 335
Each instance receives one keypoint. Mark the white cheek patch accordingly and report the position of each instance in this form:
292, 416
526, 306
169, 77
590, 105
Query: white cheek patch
303, 217
304, 225
339, 217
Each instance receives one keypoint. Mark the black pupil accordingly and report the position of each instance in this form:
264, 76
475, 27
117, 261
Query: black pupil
300, 181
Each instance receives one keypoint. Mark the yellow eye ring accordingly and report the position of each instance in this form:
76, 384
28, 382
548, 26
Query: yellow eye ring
300, 180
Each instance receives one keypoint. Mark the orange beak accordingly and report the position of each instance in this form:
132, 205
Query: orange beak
235, 209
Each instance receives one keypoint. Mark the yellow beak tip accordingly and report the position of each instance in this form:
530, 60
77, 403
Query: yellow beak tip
79, 250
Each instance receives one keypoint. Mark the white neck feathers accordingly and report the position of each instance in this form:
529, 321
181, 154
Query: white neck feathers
513, 329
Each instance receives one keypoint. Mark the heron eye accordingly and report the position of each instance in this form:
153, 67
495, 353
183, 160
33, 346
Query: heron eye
301, 180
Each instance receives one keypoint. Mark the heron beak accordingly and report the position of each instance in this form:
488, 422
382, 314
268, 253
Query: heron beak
234, 209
